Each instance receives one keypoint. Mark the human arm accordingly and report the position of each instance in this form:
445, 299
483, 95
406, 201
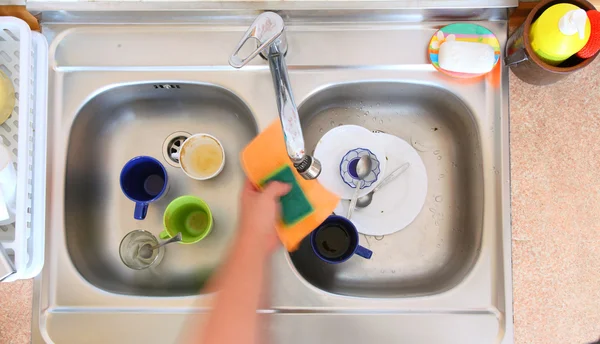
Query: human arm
240, 282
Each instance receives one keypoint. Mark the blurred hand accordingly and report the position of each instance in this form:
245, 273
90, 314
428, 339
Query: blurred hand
261, 210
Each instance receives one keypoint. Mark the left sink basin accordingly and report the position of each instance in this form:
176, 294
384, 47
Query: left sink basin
125, 121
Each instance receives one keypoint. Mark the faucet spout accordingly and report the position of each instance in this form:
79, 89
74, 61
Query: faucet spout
268, 29
307, 166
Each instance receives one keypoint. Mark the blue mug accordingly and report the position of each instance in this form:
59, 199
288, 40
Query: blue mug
336, 240
143, 180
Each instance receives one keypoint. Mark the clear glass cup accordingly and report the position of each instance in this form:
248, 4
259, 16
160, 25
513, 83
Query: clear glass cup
132, 244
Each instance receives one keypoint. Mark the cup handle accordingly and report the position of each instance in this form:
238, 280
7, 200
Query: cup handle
164, 235
364, 252
140, 211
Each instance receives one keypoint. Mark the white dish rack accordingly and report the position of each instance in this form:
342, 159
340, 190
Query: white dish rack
24, 59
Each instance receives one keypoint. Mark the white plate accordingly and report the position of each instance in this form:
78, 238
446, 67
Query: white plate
332, 147
398, 203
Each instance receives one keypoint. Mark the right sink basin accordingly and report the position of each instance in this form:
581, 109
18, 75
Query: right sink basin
444, 240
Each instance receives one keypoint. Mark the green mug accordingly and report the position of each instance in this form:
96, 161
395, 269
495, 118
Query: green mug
189, 215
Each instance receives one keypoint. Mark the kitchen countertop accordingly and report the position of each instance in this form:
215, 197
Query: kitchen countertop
555, 142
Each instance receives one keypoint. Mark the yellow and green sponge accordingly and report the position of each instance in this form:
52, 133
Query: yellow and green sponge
294, 205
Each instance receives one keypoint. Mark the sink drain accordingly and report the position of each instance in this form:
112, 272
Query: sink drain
172, 145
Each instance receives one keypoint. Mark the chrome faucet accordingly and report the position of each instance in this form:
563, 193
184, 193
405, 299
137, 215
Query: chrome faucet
268, 31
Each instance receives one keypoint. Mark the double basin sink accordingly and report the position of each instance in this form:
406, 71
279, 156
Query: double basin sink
121, 91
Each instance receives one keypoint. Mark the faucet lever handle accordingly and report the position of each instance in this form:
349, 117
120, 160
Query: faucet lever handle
265, 29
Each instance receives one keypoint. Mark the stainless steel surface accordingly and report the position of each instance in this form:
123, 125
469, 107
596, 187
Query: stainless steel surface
7, 267
172, 146
146, 11
309, 167
365, 200
446, 278
363, 168
268, 32
125, 120
147, 250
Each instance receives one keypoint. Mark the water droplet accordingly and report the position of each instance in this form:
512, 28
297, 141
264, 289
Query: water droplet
377, 104
436, 152
432, 210
442, 175
440, 157
439, 198
454, 164
366, 113
332, 123
320, 130
374, 119
393, 271
380, 121
420, 146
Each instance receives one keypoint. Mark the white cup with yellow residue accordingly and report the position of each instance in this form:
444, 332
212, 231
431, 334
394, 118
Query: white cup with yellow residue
202, 156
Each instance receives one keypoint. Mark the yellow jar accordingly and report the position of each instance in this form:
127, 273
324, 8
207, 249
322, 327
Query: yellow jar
559, 33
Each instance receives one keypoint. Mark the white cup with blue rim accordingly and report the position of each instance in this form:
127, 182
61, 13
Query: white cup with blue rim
348, 168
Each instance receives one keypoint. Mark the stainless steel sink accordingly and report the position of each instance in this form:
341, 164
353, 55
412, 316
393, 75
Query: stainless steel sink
439, 248
126, 83
136, 119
